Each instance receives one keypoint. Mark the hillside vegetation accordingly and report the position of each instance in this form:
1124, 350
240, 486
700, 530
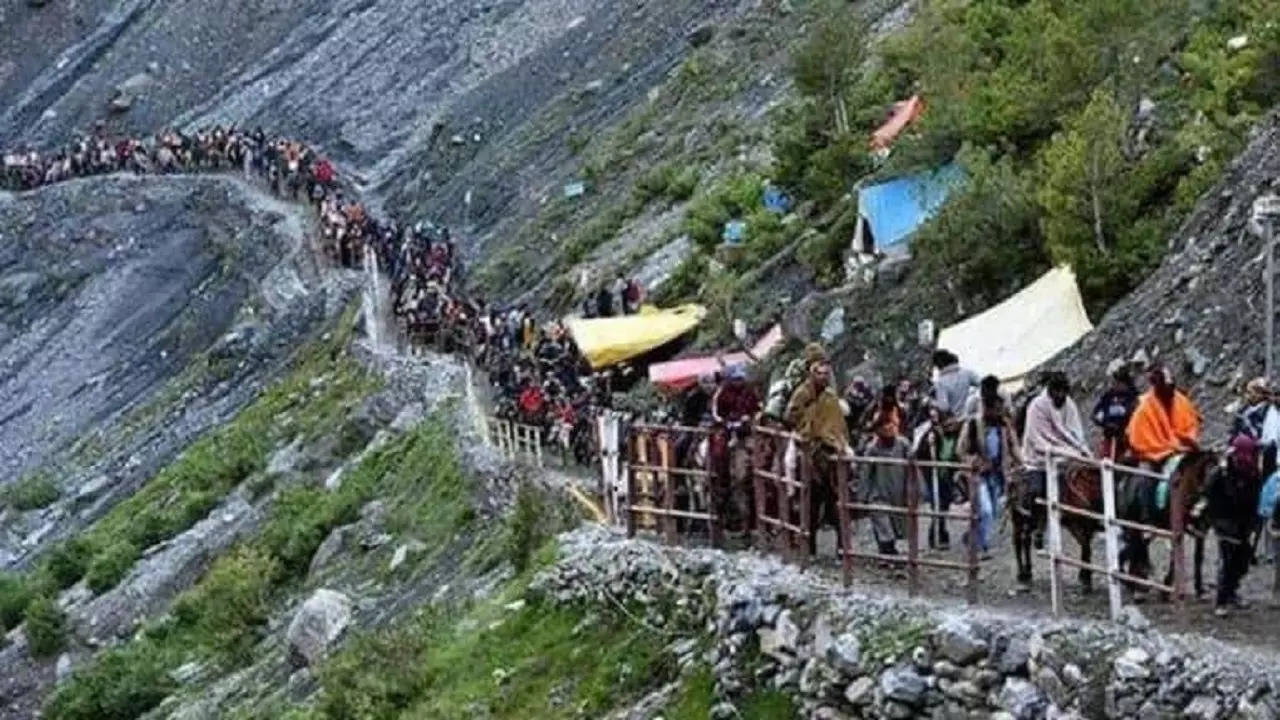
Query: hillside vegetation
1087, 129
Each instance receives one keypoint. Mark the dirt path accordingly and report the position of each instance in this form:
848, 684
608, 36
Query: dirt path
1257, 627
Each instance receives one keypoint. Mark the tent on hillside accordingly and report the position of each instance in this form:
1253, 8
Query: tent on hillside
609, 341
677, 375
1015, 337
904, 113
890, 212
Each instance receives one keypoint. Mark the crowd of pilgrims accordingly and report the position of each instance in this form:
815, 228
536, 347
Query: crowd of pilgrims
542, 379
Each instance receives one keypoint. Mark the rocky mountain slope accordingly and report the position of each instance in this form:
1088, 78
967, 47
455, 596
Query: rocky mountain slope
1202, 313
218, 502
135, 315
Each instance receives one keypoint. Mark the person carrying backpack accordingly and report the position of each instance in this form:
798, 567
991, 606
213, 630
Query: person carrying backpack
989, 444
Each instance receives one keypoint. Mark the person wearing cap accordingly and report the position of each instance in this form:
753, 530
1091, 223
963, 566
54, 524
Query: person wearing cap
814, 412
735, 400
736, 404
1113, 410
1230, 496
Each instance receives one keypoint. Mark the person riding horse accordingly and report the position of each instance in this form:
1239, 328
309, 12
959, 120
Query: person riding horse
1164, 436
1052, 422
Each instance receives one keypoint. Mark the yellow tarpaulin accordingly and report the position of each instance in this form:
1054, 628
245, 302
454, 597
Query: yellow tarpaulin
1021, 333
608, 341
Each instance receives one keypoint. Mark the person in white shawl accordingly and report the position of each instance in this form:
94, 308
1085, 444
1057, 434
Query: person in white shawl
1053, 421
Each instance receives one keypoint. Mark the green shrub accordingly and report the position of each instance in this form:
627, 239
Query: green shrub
125, 682
110, 565
31, 492
736, 197
524, 528
685, 281
67, 562
46, 627
226, 610
302, 519
14, 597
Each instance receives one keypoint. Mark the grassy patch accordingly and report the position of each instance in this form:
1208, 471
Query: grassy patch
695, 698
15, 594
46, 627
891, 639
31, 492
109, 566
222, 618
540, 661
769, 705
185, 491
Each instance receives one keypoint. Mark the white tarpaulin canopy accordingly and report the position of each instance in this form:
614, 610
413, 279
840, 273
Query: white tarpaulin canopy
1018, 335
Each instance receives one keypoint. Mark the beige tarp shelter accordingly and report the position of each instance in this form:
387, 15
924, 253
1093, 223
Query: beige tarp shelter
1021, 333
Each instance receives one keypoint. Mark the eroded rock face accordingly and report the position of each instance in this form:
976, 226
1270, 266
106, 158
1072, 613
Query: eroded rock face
102, 310
319, 623
1189, 314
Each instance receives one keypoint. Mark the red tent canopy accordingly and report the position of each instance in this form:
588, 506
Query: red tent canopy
677, 375
904, 113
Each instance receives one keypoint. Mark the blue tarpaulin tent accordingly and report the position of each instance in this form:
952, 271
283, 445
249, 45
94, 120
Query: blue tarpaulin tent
891, 211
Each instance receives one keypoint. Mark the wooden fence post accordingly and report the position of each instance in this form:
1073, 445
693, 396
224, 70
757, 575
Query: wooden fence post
630, 501
913, 528
806, 489
606, 482
757, 485
537, 445
845, 541
1178, 525
713, 517
1111, 537
664, 449
1054, 520
971, 549
782, 541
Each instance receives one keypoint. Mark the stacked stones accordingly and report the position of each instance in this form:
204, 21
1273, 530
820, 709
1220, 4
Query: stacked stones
760, 624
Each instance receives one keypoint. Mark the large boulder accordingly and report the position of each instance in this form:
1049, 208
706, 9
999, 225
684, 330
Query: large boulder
960, 642
319, 623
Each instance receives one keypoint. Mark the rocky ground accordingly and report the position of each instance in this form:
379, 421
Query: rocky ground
135, 315
1201, 313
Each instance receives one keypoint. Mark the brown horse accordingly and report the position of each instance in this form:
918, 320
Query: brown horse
1081, 486
1190, 479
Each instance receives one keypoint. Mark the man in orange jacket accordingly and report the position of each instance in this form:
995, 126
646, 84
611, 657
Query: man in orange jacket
1165, 424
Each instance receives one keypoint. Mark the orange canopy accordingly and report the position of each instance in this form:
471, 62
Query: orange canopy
904, 113
1156, 432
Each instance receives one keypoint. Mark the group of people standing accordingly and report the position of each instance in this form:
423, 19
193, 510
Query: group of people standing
966, 418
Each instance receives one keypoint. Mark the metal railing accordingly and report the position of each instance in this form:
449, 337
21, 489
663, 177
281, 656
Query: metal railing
662, 492
515, 441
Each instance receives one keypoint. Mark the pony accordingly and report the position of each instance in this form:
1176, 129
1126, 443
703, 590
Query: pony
1191, 479
1080, 486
